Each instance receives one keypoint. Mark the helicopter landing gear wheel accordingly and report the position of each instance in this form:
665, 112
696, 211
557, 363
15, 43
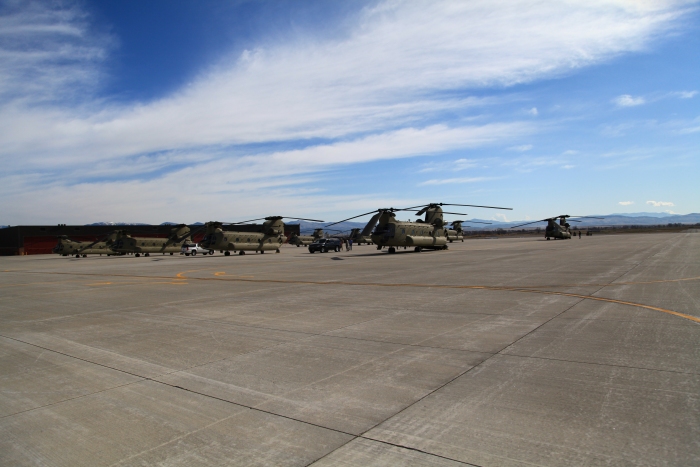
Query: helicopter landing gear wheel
241, 252
262, 252
77, 256
171, 253
147, 254
392, 250
227, 253
136, 255
277, 250
547, 238
418, 249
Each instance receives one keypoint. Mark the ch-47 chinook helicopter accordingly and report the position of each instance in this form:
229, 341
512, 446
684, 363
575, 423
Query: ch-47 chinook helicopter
126, 244
358, 236
306, 240
68, 247
560, 230
456, 232
427, 234
270, 238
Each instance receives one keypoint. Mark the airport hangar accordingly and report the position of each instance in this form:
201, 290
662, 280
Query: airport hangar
40, 239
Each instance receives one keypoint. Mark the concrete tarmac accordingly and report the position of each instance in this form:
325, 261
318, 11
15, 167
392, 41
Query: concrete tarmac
496, 352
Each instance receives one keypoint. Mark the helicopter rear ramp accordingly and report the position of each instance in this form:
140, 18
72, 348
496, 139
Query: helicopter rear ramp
494, 352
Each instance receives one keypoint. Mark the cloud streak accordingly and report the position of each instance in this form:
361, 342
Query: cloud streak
660, 203
379, 91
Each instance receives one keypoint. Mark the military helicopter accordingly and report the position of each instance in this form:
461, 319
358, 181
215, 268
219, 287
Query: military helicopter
126, 244
427, 234
270, 238
560, 230
67, 247
306, 240
359, 237
456, 232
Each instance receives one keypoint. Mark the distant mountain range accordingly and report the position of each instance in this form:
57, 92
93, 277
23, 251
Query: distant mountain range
631, 218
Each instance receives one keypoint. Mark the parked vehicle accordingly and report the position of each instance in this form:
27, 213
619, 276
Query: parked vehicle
194, 248
324, 245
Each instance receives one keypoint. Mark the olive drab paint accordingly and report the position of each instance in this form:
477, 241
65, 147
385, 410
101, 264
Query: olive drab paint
561, 230
306, 240
68, 247
126, 244
270, 238
421, 234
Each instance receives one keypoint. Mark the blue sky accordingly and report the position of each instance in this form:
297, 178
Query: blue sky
182, 111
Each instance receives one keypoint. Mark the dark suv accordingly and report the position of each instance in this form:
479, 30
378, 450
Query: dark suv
325, 244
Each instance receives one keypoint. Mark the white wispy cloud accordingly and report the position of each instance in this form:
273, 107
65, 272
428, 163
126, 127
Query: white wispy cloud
626, 203
660, 203
686, 94
533, 111
373, 93
626, 100
521, 148
446, 181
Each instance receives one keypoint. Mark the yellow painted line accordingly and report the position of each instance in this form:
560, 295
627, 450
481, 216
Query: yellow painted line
219, 273
468, 287
661, 281
181, 275
621, 302
100, 283
427, 286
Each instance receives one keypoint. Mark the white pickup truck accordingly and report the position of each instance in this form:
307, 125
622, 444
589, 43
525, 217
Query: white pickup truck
193, 249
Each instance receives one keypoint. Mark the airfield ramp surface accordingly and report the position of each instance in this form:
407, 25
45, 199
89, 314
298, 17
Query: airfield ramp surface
494, 353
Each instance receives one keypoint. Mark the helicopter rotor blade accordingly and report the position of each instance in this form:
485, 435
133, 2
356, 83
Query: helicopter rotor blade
243, 222
589, 217
302, 219
105, 237
455, 213
528, 223
354, 217
476, 206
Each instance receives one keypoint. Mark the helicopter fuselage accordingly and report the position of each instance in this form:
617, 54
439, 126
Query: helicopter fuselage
142, 245
554, 230
67, 247
454, 235
358, 239
226, 240
305, 240
393, 233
